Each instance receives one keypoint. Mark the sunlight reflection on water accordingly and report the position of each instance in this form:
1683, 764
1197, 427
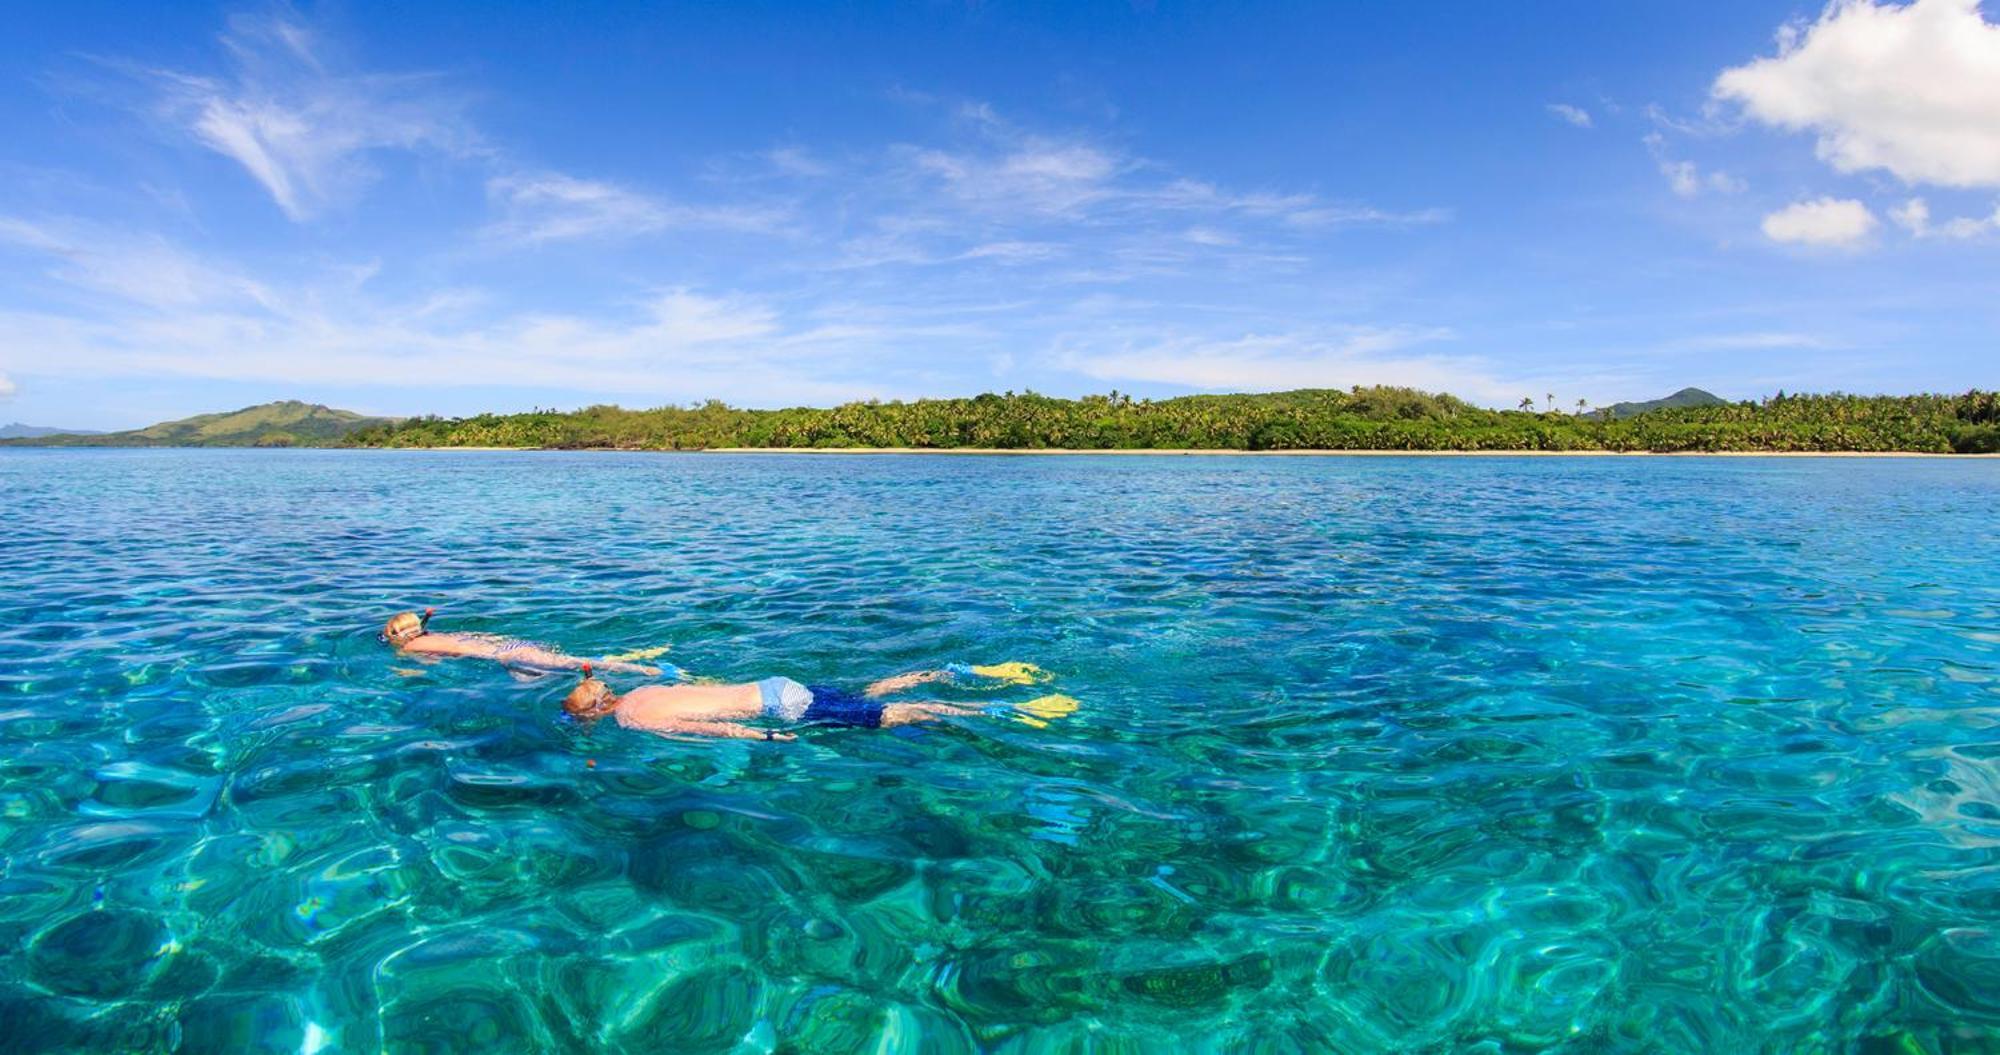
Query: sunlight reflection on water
1373, 753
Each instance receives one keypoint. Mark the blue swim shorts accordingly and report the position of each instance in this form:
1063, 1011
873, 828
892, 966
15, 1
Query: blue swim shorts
787, 701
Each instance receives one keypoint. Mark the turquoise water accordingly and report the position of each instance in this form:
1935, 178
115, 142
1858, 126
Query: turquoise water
1484, 754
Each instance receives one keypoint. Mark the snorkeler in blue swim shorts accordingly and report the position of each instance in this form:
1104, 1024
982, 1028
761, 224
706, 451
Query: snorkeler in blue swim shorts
728, 710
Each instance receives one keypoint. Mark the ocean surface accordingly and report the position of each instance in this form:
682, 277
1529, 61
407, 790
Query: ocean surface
1416, 754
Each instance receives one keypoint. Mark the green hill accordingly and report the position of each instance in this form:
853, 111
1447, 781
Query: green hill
1686, 397
288, 423
19, 431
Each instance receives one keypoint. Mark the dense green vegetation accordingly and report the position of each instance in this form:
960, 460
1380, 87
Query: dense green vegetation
288, 423
1309, 419
1686, 397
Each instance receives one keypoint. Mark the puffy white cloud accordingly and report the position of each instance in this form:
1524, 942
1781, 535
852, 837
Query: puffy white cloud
1912, 89
1914, 216
1575, 115
7, 388
1837, 223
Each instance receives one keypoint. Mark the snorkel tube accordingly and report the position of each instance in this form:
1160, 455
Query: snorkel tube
396, 631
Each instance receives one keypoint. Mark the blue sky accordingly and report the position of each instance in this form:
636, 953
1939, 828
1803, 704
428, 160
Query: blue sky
451, 208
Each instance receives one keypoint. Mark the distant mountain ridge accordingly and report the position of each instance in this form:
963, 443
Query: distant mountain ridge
287, 423
1686, 397
18, 431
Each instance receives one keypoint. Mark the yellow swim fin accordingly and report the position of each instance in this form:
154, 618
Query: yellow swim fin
1013, 673
1047, 708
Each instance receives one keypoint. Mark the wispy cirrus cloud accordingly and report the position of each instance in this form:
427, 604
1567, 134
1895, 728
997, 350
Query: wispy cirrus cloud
1326, 357
894, 250
1003, 194
1570, 114
1761, 340
211, 321
298, 123
139, 269
551, 206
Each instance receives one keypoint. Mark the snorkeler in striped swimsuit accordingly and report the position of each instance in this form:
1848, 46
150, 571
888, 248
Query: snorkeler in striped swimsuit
410, 633
727, 710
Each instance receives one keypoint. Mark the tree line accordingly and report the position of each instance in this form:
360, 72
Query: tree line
1376, 418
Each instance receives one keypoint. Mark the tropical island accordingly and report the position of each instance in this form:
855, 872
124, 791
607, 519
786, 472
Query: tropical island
1358, 419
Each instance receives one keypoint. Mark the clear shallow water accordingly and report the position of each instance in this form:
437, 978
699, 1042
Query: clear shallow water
1420, 754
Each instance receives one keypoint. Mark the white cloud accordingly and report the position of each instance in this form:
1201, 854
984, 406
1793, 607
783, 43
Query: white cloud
1757, 341
1006, 171
1914, 216
1575, 115
300, 129
1685, 178
796, 161
1012, 252
140, 269
7, 387
1038, 175
1337, 358
551, 206
1839, 223
675, 343
1363, 216
1911, 89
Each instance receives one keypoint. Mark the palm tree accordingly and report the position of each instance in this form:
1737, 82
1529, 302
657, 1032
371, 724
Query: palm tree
1527, 403
1581, 406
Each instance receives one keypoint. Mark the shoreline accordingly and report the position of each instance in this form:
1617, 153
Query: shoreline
1197, 452
1065, 452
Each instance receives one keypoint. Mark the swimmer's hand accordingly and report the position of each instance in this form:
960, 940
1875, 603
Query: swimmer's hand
640, 654
619, 666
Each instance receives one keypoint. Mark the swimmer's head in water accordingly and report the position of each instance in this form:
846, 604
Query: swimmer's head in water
590, 699
403, 628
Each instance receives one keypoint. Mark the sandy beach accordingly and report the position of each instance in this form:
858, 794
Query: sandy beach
1196, 452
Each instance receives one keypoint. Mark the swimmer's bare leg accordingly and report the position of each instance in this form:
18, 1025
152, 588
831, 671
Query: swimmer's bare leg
904, 681
911, 713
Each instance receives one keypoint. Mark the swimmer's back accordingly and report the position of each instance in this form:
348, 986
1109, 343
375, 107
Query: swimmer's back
651, 704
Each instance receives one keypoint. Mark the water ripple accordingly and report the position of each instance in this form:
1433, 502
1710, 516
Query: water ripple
1373, 754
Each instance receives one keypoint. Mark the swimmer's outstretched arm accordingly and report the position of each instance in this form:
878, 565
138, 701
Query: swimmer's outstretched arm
722, 730
535, 657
